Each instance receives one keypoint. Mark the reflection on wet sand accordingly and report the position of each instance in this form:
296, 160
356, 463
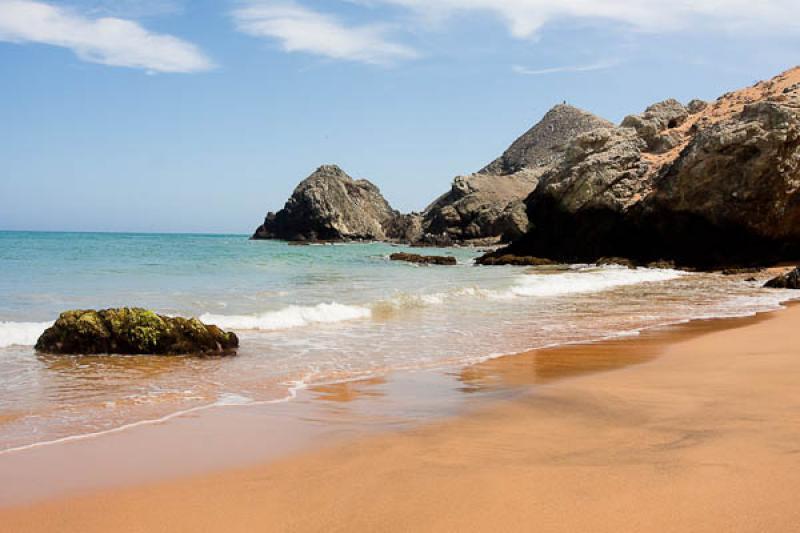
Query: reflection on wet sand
549, 364
350, 390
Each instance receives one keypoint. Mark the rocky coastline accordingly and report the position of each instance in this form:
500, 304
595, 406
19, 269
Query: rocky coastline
707, 185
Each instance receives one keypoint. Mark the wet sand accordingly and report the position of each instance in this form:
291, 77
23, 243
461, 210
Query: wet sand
693, 428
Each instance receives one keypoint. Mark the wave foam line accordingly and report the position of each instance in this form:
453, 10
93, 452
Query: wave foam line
290, 317
21, 333
226, 400
584, 281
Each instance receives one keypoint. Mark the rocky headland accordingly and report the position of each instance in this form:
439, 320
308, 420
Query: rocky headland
707, 185
703, 185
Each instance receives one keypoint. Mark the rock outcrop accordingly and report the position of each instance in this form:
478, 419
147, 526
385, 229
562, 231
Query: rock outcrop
790, 280
488, 206
512, 260
424, 259
133, 331
707, 186
329, 205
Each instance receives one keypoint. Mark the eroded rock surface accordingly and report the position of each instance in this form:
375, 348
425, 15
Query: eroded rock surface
133, 331
724, 191
488, 206
329, 205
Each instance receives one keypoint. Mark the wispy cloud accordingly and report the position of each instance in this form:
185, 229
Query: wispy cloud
525, 18
105, 40
300, 29
599, 65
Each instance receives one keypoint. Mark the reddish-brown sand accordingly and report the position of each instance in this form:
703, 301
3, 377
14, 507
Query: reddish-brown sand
704, 437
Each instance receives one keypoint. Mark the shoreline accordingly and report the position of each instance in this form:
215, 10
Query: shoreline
364, 416
293, 388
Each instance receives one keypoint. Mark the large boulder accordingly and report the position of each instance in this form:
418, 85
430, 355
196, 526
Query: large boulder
724, 193
488, 206
329, 205
131, 331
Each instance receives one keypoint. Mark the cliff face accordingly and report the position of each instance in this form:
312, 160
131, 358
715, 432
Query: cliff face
330, 205
706, 185
488, 205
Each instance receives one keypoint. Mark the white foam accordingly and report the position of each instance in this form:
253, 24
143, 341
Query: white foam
584, 281
290, 317
21, 333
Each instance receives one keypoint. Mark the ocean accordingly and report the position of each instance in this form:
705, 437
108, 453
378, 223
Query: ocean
305, 315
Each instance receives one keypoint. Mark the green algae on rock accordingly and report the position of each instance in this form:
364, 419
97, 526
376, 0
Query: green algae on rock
132, 331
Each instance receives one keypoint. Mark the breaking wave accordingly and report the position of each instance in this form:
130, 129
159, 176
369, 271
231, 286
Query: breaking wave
21, 333
293, 316
585, 281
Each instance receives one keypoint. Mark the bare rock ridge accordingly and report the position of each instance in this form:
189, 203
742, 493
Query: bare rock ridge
484, 207
703, 185
488, 206
707, 185
329, 205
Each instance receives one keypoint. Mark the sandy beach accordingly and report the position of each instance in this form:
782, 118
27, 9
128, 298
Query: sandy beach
695, 428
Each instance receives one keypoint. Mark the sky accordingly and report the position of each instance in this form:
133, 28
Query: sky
200, 116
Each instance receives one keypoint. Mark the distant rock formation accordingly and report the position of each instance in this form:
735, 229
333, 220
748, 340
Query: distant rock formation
132, 331
708, 185
488, 206
329, 205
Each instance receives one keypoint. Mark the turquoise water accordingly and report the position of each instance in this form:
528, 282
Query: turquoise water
304, 314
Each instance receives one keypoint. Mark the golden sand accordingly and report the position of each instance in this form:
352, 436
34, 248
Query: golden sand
704, 437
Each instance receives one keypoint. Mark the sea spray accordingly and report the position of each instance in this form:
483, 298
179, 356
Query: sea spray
293, 316
21, 333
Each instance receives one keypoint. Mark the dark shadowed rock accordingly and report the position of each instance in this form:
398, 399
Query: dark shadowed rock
790, 280
740, 271
495, 259
329, 205
727, 194
488, 206
424, 259
131, 331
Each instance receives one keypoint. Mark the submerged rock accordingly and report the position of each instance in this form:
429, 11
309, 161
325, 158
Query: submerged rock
132, 331
790, 280
424, 259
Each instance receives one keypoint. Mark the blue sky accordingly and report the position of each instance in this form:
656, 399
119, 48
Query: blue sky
140, 115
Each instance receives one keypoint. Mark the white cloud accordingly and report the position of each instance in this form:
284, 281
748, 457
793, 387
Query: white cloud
525, 17
300, 29
599, 65
106, 40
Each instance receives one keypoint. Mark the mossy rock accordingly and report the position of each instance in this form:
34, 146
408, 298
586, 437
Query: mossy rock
129, 331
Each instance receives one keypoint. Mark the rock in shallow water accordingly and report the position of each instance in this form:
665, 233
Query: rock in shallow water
790, 280
133, 331
424, 259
